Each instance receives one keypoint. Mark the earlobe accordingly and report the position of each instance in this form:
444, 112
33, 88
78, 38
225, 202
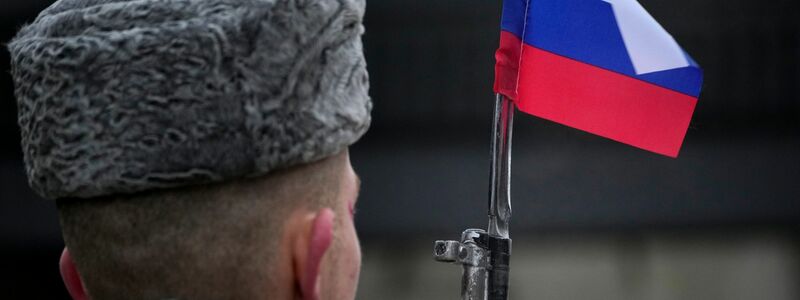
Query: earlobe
311, 251
72, 280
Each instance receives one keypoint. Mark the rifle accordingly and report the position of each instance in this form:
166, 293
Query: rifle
485, 254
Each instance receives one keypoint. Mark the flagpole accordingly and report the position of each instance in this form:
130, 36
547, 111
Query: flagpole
485, 254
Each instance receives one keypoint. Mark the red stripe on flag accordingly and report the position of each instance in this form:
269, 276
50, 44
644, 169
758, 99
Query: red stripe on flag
507, 66
603, 102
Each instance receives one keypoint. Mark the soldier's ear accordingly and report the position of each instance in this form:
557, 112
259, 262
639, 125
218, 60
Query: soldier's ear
309, 250
72, 280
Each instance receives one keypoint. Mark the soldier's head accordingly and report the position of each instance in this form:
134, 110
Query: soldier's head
197, 149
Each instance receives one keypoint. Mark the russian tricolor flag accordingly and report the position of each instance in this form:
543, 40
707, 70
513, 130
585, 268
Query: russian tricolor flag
603, 66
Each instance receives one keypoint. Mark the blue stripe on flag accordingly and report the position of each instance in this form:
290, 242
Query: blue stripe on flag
513, 19
587, 31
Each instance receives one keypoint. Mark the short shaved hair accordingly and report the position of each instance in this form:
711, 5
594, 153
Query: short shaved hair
203, 242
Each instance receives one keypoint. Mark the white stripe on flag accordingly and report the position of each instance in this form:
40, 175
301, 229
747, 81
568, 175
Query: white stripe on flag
650, 47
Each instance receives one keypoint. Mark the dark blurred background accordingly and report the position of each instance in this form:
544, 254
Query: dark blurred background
593, 219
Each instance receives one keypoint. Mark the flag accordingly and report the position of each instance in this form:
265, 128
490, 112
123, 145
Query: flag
602, 66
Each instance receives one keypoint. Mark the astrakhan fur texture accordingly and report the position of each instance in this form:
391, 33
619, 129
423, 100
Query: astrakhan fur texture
122, 96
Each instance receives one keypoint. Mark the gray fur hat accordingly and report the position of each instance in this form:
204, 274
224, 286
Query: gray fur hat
122, 96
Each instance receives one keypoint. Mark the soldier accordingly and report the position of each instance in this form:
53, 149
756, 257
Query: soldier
197, 149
